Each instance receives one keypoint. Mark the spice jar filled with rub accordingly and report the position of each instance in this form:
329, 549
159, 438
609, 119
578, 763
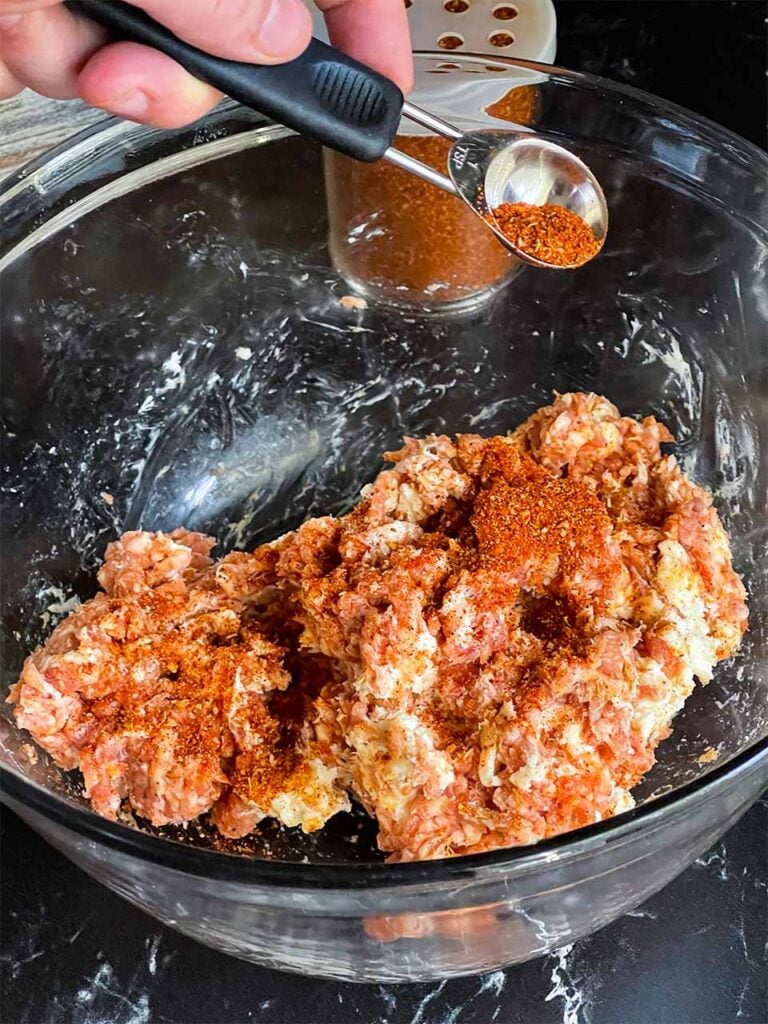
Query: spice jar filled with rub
396, 238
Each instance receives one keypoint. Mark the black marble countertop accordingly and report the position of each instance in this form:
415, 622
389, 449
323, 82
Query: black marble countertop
73, 953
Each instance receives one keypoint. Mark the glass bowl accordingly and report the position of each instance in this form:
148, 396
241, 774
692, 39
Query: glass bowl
176, 352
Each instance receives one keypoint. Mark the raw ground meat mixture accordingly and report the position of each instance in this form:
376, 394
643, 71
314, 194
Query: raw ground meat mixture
486, 651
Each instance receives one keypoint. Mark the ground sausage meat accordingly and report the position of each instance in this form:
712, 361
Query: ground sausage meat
486, 651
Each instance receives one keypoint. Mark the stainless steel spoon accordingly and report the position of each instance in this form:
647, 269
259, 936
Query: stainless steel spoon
487, 168
343, 104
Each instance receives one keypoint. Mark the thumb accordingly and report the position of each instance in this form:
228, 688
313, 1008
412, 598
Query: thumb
258, 31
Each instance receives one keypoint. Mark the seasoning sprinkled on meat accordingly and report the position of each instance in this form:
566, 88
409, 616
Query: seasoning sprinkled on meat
161, 689
486, 651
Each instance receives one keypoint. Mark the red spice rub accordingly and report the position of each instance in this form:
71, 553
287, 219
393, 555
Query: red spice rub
551, 234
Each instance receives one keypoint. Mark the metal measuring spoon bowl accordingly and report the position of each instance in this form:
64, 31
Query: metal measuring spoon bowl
489, 170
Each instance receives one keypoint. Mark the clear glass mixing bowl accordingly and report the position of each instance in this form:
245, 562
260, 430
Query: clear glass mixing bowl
175, 353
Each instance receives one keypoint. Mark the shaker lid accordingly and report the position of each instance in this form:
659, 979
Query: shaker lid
500, 28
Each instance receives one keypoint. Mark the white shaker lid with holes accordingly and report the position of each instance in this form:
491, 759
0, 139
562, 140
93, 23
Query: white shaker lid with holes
520, 28
531, 24
523, 28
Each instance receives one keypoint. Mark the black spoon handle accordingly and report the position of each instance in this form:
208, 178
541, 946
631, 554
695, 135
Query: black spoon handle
323, 93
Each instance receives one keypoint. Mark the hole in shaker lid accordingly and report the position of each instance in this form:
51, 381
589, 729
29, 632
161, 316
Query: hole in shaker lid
450, 41
505, 12
501, 39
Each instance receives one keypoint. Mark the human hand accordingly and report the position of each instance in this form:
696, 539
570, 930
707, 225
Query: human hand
45, 47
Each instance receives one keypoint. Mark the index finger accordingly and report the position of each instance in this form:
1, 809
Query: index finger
257, 31
375, 32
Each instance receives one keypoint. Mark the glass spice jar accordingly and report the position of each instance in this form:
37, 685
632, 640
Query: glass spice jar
394, 237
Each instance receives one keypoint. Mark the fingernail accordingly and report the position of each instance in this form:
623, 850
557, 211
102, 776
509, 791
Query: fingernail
132, 106
10, 20
283, 28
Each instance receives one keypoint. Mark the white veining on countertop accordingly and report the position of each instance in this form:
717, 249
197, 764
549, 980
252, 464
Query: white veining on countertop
493, 982
21, 946
123, 1009
421, 1009
387, 997
153, 944
716, 862
566, 986
642, 912
103, 994
754, 969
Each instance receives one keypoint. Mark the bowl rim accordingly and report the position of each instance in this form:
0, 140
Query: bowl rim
239, 868
20, 176
20, 792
